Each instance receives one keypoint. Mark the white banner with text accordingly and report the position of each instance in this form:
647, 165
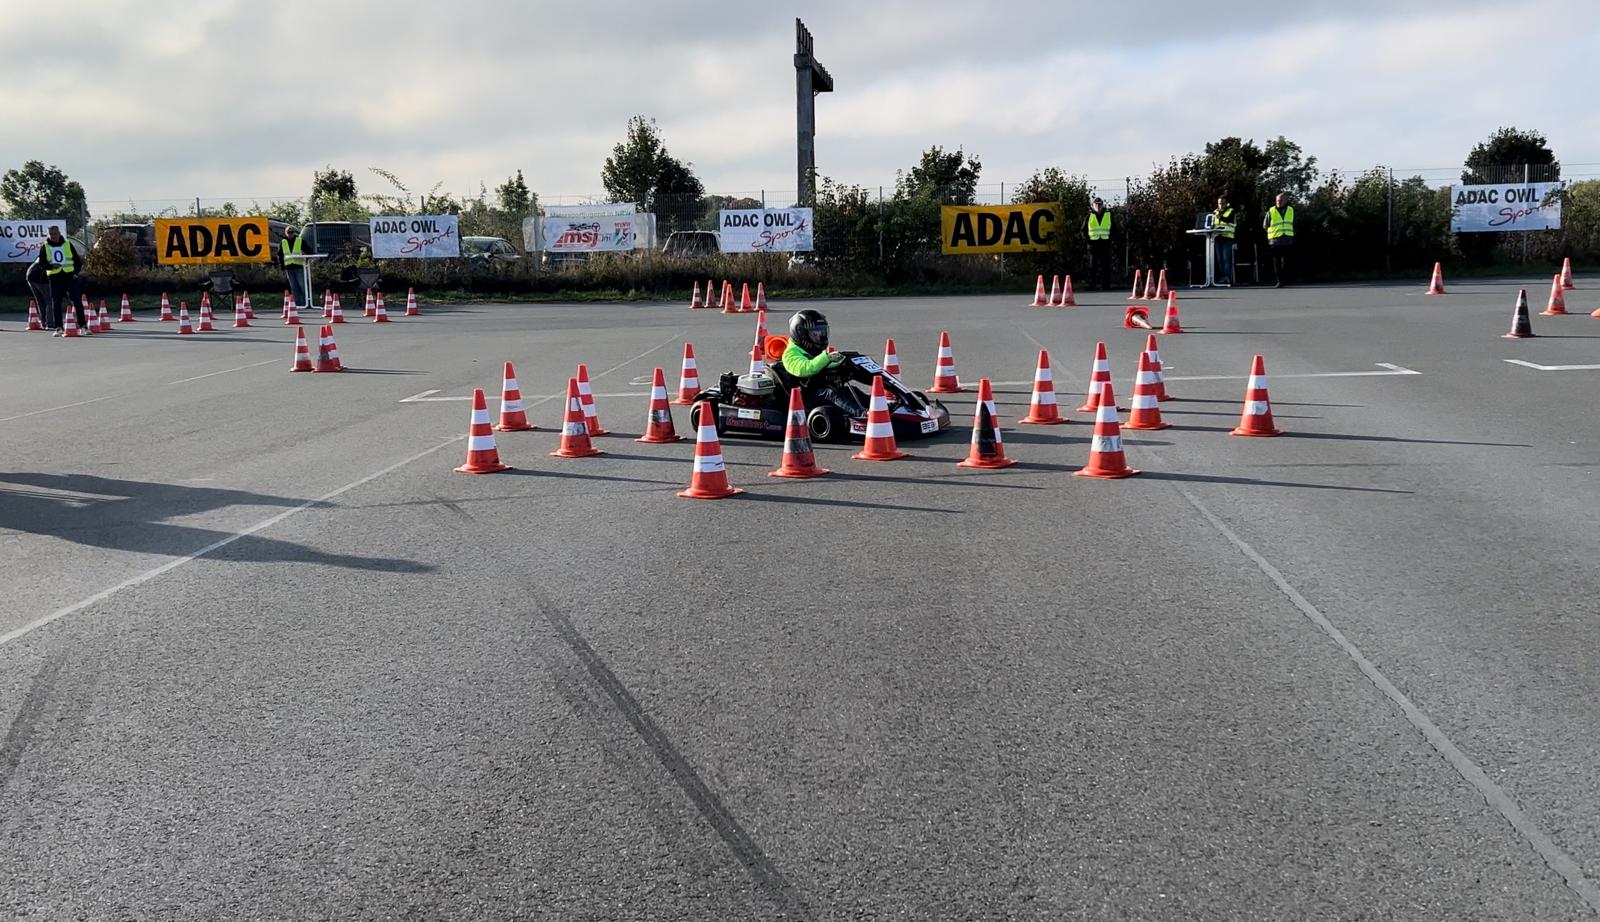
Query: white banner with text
765, 230
416, 237
1506, 207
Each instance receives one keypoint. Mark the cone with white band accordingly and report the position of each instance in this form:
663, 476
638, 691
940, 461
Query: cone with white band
103, 318
166, 309
127, 311
944, 376
291, 312
337, 313
988, 449
880, 444
658, 428
1043, 411
688, 378
1099, 376
513, 416
758, 362
249, 312
327, 304
1436, 285
761, 296
728, 305
574, 428
694, 298
591, 419
370, 309
482, 456
35, 322
1145, 410
411, 303
327, 351
1155, 365
379, 313
710, 478
799, 458
1040, 299
891, 359
241, 317
185, 327
1257, 418
1566, 274
1055, 292
1134, 295
69, 324
302, 352
1150, 284
1067, 299
1557, 306
1170, 323
1521, 325
91, 322
1161, 286
1106, 458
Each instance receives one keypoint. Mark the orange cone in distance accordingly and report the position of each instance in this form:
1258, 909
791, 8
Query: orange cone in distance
1521, 325
1145, 410
166, 308
658, 424
302, 352
1436, 286
591, 418
1134, 295
482, 455
988, 450
688, 378
1099, 376
710, 478
880, 444
35, 322
799, 459
761, 296
1067, 299
1039, 299
69, 324
1043, 411
1257, 417
1055, 292
1161, 286
1170, 324
944, 375
1106, 458
694, 298
1136, 317
574, 428
185, 327
513, 415
1155, 365
891, 359
1558, 301
1566, 274
1149, 284
127, 311
411, 303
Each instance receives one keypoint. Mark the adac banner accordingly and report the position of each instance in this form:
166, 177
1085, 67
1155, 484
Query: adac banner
765, 230
1513, 206
20, 240
434, 236
966, 229
193, 241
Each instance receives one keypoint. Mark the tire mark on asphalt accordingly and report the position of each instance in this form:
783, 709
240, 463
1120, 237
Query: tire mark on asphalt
1553, 855
22, 728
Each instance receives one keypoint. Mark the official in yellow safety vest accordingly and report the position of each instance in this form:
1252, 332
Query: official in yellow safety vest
1225, 219
1098, 229
1279, 224
63, 268
291, 249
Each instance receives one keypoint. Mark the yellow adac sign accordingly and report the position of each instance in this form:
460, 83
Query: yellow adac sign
999, 228
191, 241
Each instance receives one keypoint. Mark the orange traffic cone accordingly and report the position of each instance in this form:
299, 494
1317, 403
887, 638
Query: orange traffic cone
761, 328
1558, 301
746, 306
1150, 284
284, 312
590, 418
302, 351
694, 299
1436, 287
1170, 324
249, 312
1146, 406
1136, 318
69, 324
658, 425
1099, 376
729, 306
575, 429
1134, 295
880, 444
185, 328
513, 416
103, 317
1566, 274
166, 309
688, 379
1106, 458
328, 351
411, 303
1067, 300
1161, 286
91, 323
336, 313
1521, 326
1257, 418
1042, 411
482, 456
758, 362
35, 322
370, 309
710, 478
379, 315
127, 311
1155, 366
1055, 292
1039, 298
988, 449
711, 294
944, 376
291, 312
891, 359
761, 296
241, 317
327, 303
205, 301
799, 460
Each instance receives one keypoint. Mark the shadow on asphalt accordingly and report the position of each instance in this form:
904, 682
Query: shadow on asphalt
947, 479
1254, 482
568, 475
1344, 437
381, 371
129, 515
843, 503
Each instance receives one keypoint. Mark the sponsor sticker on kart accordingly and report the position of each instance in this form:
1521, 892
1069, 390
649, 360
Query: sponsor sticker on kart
749, 414
930, 425
858, 427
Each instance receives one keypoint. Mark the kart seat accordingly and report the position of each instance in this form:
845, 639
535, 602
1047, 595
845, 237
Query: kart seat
778, 373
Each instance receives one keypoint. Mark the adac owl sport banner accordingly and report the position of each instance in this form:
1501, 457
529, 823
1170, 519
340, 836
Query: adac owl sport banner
435, 236
967, 229
1513, 206
765, 230
20, 240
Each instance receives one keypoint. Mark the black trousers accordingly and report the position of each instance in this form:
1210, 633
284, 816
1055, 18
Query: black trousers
64, 287
1282, 263
1100, 264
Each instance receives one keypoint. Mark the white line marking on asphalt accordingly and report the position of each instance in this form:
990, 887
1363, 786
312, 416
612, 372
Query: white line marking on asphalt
65, 406
427, 396
223, 372
1551, 367
1558, 860
1389, 371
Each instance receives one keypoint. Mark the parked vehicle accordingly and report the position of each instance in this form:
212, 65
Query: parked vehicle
483, 251
142, 236
692, 243
338, 239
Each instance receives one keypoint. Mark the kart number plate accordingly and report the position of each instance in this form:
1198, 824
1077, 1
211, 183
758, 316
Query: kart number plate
930, 425
868, 365
749, 414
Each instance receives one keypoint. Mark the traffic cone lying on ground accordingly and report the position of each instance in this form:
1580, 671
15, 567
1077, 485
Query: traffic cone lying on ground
482, 455
988, 449
880, 444
1566, 274
1150, 284
799, 460
891, 359
1039, 297
1558, 301
1042, 411
1170, 324
1161, 286
166, 308
944, 375
710, 478
1106, 458
1155, 366
761, 296
575, 428
694, 298
1067, 299
1099, 376
35, 322
1257, 418
1145, 412
127, 311
411, 303
1521, 325
1436, 287
328, 351
513, 417
1136, 317
591, 418
302, 352
185, 328
688, 378
1134, 296
658, 423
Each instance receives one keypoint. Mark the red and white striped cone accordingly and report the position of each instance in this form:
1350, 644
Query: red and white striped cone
1055, 291
1134, 295
1566, 274
205, 301
761, 329
166, 309
185, 327
688, 378
411, 303
1145, 412
710, 478
513, 416
249, 312
1067, 299
1099, 377
380, 303
103, 313
327, 303
1170, 324
988, 450
944, 375
283, 313
880, 444
891, 359
1257, 417
327, 352
91, 323
241, 317
1436, 286
380, 315
35, 322
1039, 297
302, 352
338, 310
1106, 458
591, 419
1042, 411
1149, 284
761, 296
291, 314
1155, 365
758, 362
746, 306
1521, 325
127, 311
206, 324
729, 305
1558, 301
711, 294
1161, 286
69, 324
575, 428
482, 455
658, 428
694, 299
799, 459
370, 309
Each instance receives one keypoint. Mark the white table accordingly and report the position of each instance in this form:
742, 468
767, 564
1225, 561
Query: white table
1210, 234
311, 295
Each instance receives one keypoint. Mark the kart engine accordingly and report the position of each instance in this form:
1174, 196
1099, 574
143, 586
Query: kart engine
747, 390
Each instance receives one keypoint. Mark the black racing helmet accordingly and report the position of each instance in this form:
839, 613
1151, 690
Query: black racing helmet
809, 329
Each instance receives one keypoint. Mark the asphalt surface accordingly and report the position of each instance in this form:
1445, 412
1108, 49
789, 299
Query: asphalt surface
264, 655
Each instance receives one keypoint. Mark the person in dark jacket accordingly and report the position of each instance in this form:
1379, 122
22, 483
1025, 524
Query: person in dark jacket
63, 268
39, 285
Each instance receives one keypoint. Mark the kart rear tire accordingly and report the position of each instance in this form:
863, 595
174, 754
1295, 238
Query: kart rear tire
694, 418
826, 424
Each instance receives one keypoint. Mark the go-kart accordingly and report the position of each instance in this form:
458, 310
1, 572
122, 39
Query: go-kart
836, 400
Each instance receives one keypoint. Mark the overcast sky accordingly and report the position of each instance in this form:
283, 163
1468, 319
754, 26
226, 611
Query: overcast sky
172, 99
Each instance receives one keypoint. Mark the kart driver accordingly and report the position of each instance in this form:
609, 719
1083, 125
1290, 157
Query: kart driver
807, 353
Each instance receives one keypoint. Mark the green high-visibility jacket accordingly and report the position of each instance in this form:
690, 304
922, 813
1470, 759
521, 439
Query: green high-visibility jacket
1225, 223
291, 253
797, 362
1280, 223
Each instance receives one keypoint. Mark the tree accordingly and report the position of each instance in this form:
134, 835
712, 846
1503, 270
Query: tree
334, 197
640, 170
1073, 193
1503, 155
947, 177
39, 191
514, 197
1286, 168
